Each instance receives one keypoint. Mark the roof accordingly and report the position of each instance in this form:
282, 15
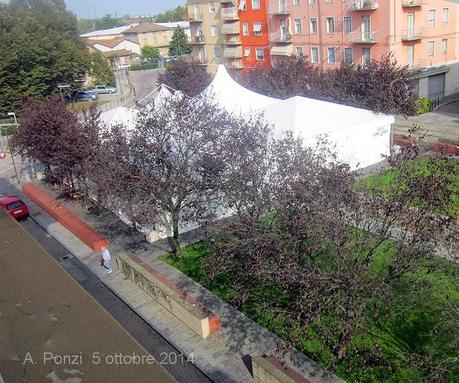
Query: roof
8, 199
175, 24
46, 310
147, 27
107, 32
111, 43
118, 53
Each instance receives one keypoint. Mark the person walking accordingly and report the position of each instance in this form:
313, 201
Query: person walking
105, 255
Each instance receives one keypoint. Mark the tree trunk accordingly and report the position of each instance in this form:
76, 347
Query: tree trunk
175, 243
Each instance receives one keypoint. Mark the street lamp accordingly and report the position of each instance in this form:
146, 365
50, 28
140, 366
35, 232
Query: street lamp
12, 114
60, 87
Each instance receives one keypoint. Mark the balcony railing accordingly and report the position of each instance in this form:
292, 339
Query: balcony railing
234, 40
231, 28
232, 52
234, 64
195, 18
279, 10
411, 3
364, 38
281, 37
197, 39
413, 34
364, 5
230, 13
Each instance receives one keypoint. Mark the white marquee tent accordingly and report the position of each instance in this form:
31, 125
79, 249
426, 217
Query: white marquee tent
361, 136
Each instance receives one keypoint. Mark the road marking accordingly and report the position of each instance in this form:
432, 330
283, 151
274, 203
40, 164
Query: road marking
7, 169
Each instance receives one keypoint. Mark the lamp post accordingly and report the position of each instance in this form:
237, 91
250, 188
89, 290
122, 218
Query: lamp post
12, 114
60, 87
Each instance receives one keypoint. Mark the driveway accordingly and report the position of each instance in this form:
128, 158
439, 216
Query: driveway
439, 125
144, 82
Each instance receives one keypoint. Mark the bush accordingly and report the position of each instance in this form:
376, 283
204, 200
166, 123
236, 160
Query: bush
144, 66
423, 105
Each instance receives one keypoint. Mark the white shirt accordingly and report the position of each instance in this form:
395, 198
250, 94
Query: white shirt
105, 255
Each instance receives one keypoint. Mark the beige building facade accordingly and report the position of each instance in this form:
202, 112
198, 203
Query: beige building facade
150, 34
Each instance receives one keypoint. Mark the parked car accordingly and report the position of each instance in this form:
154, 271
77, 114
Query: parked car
103, 89
14, 206
85, 95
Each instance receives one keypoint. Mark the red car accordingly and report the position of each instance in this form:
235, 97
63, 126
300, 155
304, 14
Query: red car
14, 206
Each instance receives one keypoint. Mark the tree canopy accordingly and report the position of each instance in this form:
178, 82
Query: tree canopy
177, 14
149, 52
187, 76
44, 50
179, 44
382, 86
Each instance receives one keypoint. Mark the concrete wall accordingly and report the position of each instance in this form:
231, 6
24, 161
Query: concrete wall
167, 294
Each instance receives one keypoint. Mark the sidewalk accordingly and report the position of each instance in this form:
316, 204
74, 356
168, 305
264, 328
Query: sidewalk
220, 356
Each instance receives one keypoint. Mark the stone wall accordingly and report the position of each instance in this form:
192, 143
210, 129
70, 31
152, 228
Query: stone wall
167, 294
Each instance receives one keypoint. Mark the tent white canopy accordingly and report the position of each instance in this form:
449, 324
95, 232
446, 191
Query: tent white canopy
234, 97
361, 136
120, 116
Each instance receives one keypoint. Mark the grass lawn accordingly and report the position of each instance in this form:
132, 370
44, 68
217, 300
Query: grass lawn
84, 106
381, 353
387, 183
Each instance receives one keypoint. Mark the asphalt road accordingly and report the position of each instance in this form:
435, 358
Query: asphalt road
153, 342
144, 82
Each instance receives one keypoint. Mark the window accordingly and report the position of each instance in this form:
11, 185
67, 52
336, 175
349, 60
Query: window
445, 16
431, 48
214, 30
330, 25
211, 7
312, 1
410, 55
366, 56
431, 18
255, 4
444, 46
257, 29
331, 55
329, 1
348, 55
296, 2
299, 51
217, 52
246, 52
313, 26
315, 54
347, 24
243, 5
260, 54
245, 29
298, 26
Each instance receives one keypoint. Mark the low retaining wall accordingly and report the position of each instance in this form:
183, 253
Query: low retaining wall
177, 301
270, 370
70, 221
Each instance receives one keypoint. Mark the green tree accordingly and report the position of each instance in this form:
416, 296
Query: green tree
179, 44
107, 22
149, 52
177, 14
44, 50
100, 69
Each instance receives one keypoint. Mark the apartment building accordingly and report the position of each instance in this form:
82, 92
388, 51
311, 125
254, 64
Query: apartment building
231, 32
419, 33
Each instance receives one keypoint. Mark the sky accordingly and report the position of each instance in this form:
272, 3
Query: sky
97, 8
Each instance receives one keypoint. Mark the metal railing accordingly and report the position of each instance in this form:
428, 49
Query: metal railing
364, 5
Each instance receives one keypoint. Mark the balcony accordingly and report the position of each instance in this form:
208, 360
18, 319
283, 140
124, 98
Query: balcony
279, 10
281, 50
232, 52
233, 40
234, 64
364, 38
412, 34
411, 3
195, 18
231, 28
281, 38
197, 39
364, 5
230, 14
